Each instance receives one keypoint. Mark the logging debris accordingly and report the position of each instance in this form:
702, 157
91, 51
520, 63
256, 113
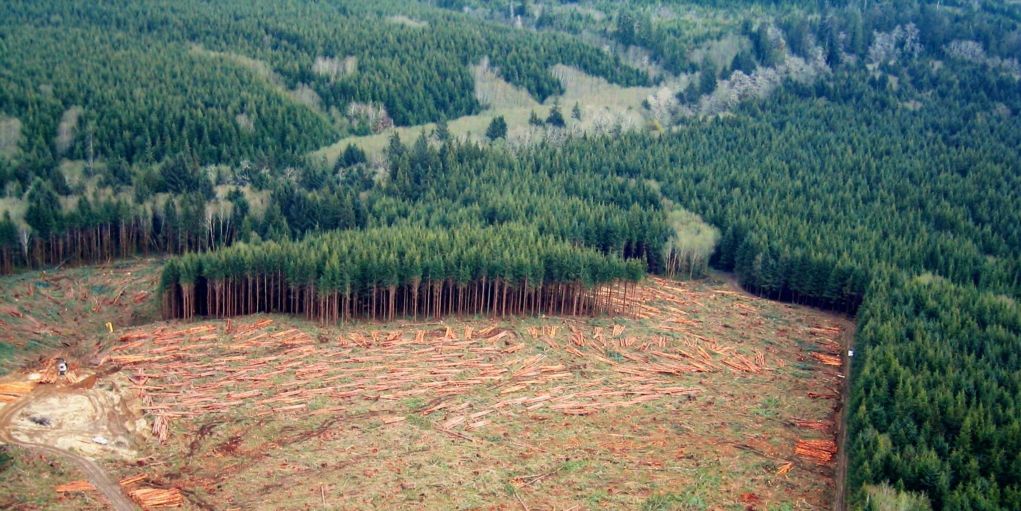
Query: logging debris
156, 498
75, 486
474, 383
820, 451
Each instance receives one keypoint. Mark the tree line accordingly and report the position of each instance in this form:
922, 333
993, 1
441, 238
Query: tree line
837, 195
389, 272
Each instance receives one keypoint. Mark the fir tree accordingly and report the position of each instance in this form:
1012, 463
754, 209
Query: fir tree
555, 118
497, 128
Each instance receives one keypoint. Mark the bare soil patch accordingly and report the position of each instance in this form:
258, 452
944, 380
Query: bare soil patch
97, 423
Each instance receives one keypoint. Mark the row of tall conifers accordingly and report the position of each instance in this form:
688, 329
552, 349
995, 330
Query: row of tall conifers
414, 272
108, 228
128, 237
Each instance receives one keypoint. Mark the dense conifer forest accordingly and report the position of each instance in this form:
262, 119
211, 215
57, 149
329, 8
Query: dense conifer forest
383, 273
887, 188
190, 60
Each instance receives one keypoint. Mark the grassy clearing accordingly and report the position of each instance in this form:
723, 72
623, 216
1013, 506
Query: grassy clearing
494, 93
603, 106
429, 416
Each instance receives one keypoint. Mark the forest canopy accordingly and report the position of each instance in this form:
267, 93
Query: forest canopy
884, 184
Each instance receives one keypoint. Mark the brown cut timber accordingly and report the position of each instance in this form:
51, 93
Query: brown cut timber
820, 451
154, 498
75, 486
830, 360
131, 480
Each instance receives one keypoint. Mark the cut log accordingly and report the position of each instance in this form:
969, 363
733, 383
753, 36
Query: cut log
155, 498
75, 486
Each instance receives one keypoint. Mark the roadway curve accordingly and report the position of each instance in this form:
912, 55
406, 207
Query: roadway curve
92, 471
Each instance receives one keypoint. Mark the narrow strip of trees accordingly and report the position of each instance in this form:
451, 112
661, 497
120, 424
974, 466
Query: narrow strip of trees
110, 229
383, 273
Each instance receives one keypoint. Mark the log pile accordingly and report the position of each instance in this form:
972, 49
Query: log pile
830, 332
156, 498
160, 427
820, 451
74, 487
813, 425
72, 377
132, 480
741, 363
830, 360
124, 360
49, 372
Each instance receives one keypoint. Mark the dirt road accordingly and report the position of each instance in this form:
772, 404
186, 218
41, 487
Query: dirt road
109, 488
840, 496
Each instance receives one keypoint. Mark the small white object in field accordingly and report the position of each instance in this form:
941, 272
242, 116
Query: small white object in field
850, 353
100, 439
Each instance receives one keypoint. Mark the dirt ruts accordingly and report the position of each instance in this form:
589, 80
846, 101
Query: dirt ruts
109, 488
840, 478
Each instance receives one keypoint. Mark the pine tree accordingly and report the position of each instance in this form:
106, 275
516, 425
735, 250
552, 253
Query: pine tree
43, 213
555, 118
625, 27
442, 132
497, 128
707, 77
352, 155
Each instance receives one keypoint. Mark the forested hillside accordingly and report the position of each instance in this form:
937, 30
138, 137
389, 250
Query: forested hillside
226, 81
912, 211
885, 183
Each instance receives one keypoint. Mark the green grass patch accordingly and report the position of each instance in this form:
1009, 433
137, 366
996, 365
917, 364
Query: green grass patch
768, 407
573, 466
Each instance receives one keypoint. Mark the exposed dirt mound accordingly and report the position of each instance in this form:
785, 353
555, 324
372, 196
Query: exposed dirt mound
98, 422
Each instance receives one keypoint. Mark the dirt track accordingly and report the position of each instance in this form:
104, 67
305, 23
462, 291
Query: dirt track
840, 495
92, 471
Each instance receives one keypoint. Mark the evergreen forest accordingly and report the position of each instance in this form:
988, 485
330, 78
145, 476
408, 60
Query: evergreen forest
886, 187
